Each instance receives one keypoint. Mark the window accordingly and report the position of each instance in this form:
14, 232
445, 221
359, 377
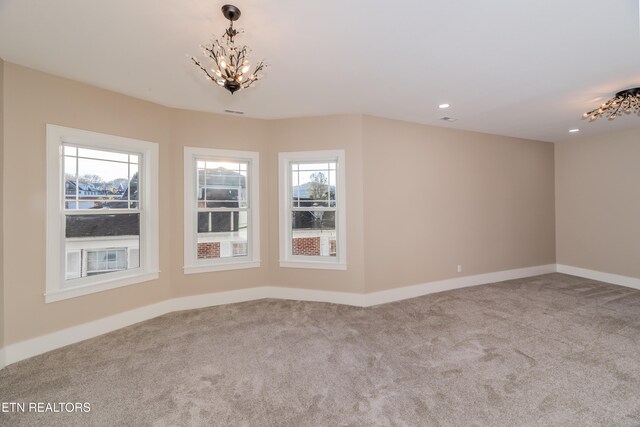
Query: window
221, 212
102, 212
104, 261
312, 210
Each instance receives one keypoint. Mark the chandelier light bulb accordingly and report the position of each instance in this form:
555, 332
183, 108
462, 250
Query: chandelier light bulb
625, 102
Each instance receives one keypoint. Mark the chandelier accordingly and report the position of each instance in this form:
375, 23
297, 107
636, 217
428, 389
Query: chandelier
230, 66
626, 101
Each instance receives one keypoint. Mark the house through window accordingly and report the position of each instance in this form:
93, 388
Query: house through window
102, 211
222, 208
313, 208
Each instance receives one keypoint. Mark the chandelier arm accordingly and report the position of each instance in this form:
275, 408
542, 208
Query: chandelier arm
242, 55
588, 114
213, 56
613, 114
235, 56
203, 69
623, 106
259, 67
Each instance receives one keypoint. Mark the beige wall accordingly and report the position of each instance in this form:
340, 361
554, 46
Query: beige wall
33, 99
435, 198
193, 129
420, 199
2, 323
598, 203
320, 133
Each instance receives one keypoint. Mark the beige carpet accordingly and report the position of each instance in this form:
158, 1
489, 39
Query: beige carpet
548, 350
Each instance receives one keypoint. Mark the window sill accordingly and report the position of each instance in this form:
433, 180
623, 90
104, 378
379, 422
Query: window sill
195, 269
313, 264
77, 291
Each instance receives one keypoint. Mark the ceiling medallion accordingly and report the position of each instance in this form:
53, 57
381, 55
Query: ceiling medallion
230, 66
626, 101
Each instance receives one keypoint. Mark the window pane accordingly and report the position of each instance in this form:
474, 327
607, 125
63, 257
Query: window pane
134, 258
70, 183
100, 179
73, 265
220, 222
313, 233
222, 184
102, 225
221, 198
316, 166
133, 182
103, 155
313, 184
102, 243
101, 261
222, 234
99, 172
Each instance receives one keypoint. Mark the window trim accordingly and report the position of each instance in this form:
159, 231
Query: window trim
55, 290
191, 264
285, 234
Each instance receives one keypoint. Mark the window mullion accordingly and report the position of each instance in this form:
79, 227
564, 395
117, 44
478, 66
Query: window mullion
102, 212
222, 209
129, 181
77, 182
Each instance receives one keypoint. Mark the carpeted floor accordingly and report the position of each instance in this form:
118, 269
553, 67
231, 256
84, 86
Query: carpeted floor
547, 350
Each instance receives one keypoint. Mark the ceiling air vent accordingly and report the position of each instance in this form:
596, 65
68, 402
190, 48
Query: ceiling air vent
234, 112
448, 119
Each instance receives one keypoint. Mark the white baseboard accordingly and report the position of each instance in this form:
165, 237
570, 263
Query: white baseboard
218, 298
297, 294
42, 344
406, 292
616, 279
32, 347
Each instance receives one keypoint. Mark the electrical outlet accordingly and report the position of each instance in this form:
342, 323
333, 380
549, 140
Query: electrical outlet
459, 268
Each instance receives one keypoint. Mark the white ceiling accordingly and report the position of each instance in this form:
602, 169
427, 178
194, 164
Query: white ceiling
521, 68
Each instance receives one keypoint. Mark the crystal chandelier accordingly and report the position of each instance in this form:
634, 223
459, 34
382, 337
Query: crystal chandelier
230, 66
626, 101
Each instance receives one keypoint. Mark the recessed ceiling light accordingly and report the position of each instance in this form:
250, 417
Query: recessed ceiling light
444, 106
574, 130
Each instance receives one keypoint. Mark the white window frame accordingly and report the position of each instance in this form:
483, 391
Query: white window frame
192, 264
339, 262
57, 288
